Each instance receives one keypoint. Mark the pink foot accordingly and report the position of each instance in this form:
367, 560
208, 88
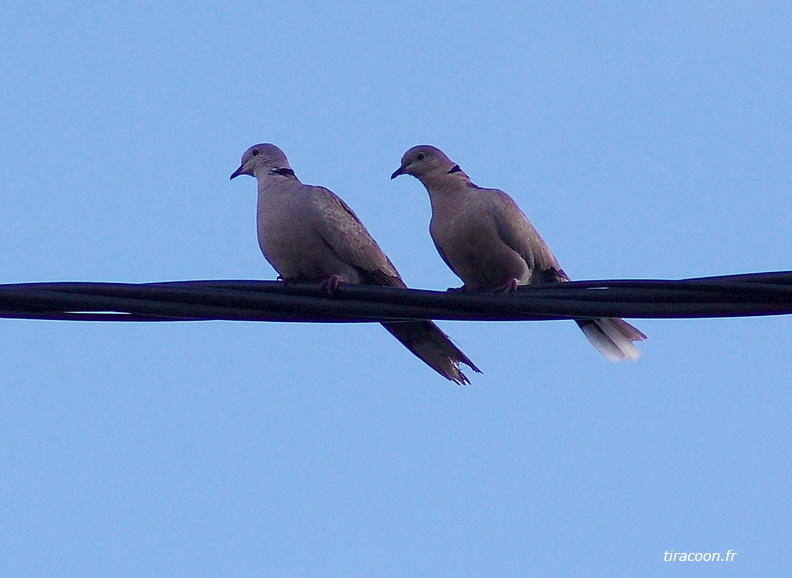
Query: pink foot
509, 287
330, 284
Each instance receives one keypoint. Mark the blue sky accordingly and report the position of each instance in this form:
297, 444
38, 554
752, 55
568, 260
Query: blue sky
644, 140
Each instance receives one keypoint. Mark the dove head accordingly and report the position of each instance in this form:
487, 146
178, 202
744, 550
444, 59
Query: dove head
426, 162
261, 159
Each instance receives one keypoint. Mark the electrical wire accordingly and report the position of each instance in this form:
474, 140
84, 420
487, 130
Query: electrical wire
725, 296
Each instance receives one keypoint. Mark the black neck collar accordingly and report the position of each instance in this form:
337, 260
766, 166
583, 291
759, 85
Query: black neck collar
282, 171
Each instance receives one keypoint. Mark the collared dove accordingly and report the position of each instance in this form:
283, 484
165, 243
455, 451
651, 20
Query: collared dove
490, 244
309, 233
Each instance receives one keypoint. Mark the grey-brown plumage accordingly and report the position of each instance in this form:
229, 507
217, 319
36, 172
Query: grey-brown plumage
309, 233
486, 239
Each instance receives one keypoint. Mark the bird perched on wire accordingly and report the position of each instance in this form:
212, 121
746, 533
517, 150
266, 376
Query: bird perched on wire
490, 244
308, 233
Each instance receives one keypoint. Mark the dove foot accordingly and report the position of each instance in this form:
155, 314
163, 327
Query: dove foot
509, 287
330, 284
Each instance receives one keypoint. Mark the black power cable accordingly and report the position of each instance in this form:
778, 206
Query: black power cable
725, 296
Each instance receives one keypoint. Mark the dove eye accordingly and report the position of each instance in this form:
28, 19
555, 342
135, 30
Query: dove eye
420, 156
254, 152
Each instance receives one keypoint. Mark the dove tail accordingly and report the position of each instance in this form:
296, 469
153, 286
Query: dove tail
612, 337
426, 341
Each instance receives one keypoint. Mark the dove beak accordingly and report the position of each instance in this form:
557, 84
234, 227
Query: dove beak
239, 171
402, 170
